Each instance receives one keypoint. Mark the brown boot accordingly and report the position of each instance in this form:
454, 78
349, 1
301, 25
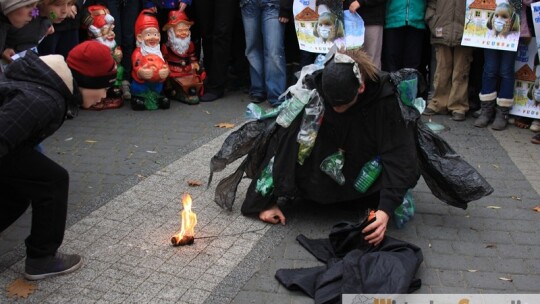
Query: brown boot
488, 111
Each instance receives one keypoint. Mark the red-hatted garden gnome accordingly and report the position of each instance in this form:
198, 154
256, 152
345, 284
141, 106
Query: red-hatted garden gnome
185, 81
149, 68
100, 25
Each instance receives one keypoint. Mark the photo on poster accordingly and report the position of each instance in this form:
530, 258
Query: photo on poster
320, 24
491, 24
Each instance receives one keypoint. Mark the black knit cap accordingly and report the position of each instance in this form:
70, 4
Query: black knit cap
339, 83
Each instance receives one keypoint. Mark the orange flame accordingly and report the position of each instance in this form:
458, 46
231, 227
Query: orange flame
189, 220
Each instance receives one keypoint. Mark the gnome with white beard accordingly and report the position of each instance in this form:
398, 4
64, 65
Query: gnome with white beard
185, 80
100, 25
149, 68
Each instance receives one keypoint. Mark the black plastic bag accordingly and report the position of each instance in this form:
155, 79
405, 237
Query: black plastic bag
410, 113
248, 139
448, 176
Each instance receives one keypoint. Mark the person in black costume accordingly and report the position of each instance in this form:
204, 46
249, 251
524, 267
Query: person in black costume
362, 117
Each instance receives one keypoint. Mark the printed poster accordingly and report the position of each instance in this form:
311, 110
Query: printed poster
320, 26
527, 85
535, 9
491, 24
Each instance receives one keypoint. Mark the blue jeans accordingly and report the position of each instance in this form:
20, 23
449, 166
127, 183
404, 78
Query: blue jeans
265, 48
499, 63
125, 13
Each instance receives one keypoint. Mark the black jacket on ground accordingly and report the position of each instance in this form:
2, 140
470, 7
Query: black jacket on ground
32, 103
353, 266
372, 127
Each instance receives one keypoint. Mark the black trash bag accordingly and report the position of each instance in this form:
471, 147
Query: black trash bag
400, 79
248, 139
448, 176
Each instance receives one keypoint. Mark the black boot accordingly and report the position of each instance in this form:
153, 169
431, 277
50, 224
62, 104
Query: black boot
488, 111
501, 118
164, 103
137, 103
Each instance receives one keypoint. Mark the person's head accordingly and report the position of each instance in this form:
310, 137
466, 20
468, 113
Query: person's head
503, 20
100, 25
177, 29
19, 13
329, 27
56, 10
147, 29
343, 78
93, 69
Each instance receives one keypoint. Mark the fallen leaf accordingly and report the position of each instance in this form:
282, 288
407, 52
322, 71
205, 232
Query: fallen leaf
152, 152
472, 270
90, 141
491, 246
493, 207
537, 208
194, 183
505, 279
207, 112
495, 166
517, 198
68, 139
225, 125
429, 245
20, 288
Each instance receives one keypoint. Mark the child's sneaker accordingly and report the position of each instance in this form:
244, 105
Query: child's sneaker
41, 268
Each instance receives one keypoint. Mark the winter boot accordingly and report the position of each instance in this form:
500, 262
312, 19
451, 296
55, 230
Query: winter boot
501, 118
488, 110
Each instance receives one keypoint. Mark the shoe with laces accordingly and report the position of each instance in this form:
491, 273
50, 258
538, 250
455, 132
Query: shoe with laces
60, 263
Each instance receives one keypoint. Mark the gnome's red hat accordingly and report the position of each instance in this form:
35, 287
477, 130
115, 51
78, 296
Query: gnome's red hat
97, 17
176, 17
147, 18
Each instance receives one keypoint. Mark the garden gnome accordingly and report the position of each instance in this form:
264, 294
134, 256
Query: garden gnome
149, 68
185, 81
100, 25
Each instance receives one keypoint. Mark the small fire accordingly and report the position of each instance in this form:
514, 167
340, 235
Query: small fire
186, 236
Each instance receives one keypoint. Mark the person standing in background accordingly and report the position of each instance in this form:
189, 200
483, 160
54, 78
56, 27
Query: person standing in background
445, 19
403, 36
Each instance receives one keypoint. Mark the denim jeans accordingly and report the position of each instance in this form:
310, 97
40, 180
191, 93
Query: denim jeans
499, 63
265, 48
125, 13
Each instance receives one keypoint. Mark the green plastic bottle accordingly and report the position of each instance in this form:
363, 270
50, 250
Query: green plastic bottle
368, 175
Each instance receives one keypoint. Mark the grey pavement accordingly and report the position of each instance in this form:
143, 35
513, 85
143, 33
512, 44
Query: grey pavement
128, 170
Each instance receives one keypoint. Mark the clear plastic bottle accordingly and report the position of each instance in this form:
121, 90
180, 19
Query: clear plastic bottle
368, 175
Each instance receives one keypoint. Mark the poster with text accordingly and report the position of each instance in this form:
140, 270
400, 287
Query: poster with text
527, 85
535, 9
319, 26
491, 24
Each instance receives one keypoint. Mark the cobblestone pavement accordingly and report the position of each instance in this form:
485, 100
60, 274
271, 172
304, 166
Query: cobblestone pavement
128, 170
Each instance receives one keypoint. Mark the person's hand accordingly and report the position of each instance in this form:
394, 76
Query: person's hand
182, 7
72, 12
283, 19
153, 9
50, 31
376, 229
272, 215
6, 55
195, 66
163, 72
354, 6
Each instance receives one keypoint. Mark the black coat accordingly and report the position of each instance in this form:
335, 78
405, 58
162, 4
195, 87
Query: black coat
32, 103
372, 127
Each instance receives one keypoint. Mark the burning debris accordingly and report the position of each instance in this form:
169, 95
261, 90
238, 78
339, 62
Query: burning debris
186, 236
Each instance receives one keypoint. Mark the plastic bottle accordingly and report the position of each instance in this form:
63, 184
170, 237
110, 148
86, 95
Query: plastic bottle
300, 97
368, 175
265, 183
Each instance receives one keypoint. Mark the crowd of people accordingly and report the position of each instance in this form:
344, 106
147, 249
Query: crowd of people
99, 54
